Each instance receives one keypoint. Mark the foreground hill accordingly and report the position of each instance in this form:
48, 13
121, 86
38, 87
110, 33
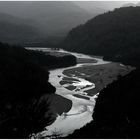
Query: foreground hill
116, 113
114, 35
27, 99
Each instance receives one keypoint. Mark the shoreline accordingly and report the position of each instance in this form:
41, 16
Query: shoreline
80, 111
80, 84
100, 75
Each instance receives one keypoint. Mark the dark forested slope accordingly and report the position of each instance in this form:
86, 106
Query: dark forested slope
116, 113
26, 96
114, 35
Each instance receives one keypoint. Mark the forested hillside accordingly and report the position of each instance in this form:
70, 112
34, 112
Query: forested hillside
114, 35
26, 96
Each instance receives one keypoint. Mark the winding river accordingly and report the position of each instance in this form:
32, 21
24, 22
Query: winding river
82, 109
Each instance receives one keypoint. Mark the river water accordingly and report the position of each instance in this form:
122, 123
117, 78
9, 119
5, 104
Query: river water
82, 109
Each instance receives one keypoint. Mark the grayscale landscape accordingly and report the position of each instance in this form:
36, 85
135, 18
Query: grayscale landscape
69, 69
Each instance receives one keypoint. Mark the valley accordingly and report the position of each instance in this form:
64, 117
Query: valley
84, 92
70, 69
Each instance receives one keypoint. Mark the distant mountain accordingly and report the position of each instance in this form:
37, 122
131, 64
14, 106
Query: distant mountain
50, 21
51, 18
114, 35
99, 6
93, 7
138, 4
133, 3
129, 4
15, 30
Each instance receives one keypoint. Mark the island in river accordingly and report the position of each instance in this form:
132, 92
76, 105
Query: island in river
80, 84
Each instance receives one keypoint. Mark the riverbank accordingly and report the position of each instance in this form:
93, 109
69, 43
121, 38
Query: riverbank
79, 84
28, 102
100, 75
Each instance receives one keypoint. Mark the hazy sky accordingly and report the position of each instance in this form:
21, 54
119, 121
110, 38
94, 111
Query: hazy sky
106, 5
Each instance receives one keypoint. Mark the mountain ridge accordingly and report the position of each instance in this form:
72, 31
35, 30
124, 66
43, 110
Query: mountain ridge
108, 34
